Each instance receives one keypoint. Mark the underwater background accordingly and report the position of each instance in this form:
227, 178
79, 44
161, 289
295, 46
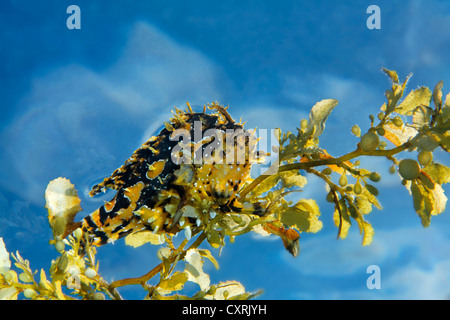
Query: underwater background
77, 103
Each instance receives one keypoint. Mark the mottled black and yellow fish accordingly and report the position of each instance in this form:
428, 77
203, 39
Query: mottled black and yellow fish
163, 188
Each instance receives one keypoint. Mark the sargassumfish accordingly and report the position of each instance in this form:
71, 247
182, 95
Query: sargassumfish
168, 185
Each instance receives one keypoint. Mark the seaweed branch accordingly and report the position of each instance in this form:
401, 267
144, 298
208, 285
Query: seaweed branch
414, 129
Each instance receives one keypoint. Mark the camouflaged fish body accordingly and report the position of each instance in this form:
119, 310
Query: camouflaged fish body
154, 193
164, 189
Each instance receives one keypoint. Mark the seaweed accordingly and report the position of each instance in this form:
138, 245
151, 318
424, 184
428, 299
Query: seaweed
226, 208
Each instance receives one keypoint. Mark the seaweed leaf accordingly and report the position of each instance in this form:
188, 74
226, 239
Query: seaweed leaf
319, 115
415, 98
